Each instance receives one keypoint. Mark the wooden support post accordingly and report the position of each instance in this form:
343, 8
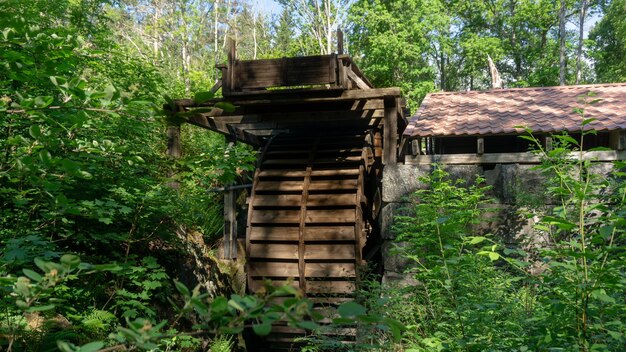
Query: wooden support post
548, 144
480, 146
232, 63
230, 224
390, 132
617, 140
339, 41
173, 141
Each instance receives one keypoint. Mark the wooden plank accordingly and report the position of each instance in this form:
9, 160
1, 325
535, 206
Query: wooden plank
330, 216
311, 233
280, 186
273, 269
334, 270
273, 233
329, 233
329, 251
277, 200
507, 158
275, 216
273, 251
308, 70
314, 200
314, 173
333, 185
320, 200
286, 162
256, 285
330, 286
390, 132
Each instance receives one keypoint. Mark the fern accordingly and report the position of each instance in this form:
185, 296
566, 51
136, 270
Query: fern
222, 344
98, 320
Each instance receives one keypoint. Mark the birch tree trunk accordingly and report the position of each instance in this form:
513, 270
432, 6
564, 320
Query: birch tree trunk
581, 33
562, 43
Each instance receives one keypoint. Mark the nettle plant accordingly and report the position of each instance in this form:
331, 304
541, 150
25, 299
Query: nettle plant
462, 301
583, 285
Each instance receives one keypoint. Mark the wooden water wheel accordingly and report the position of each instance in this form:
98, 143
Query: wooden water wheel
307, 218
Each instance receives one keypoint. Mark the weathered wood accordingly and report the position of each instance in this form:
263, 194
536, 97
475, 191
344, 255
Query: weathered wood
324, 270
339, 41
508, 158
323, 216
617, 140
293, 200
329, 251
296, 71
274, 269
173, 141
274, 251
357, 80
317, 233
480, 146
390, 131
329, 287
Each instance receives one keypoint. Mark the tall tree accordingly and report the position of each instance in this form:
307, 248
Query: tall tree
609, 43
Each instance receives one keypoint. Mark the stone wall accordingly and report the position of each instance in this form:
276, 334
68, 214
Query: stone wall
516, 188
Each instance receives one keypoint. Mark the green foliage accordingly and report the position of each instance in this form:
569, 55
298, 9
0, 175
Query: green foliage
608, 40
462, 301
564, 291
583, 282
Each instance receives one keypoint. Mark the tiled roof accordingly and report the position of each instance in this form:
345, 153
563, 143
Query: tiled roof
493, 112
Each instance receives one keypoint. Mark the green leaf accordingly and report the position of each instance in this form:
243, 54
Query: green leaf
494, 256
70, 260
43, 102
202, 97
588, 121
477, 239
32, 275
228, 107
35, 131
262, 329
182, 288
66, 347
91, 347
350, 309
308, 325
41, 308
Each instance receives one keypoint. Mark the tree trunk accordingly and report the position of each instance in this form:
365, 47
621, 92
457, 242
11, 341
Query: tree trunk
562, 43
581, 34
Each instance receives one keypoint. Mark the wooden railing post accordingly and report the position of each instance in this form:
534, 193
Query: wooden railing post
390, 131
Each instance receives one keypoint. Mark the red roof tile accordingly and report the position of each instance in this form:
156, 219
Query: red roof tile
545, 109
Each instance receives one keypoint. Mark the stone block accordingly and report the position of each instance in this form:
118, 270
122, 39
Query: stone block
395, 280
393, 260
401, 180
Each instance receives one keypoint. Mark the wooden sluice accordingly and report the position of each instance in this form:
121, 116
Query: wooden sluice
323, 134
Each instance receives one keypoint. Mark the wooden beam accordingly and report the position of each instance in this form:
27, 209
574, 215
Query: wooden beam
617, 140
390, 131
507, 158
356, 79
283, 97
